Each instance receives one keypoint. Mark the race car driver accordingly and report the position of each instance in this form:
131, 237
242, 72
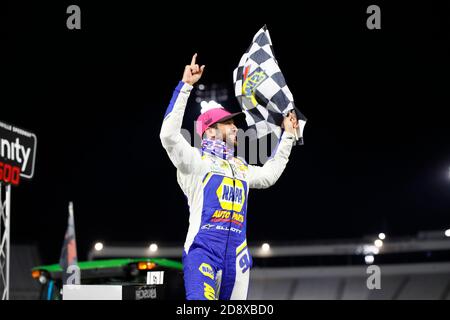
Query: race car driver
216, 260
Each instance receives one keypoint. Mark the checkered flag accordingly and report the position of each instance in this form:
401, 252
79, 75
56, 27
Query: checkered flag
261, 89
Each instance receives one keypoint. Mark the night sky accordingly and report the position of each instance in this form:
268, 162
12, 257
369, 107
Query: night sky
377, 142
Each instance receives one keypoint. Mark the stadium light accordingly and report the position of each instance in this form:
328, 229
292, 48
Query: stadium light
447, 233
378, 243
206, 105
98, 246
153, 247
367, 249
381, 236
265, 247
369, 259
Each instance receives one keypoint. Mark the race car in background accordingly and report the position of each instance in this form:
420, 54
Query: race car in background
130, 273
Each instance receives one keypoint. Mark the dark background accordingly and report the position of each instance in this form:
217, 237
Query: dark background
376, 154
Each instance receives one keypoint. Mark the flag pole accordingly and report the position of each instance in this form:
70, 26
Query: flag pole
296, 135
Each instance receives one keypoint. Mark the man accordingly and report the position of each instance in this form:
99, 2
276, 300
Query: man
216, 259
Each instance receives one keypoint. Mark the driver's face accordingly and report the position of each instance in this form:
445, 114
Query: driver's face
227, 131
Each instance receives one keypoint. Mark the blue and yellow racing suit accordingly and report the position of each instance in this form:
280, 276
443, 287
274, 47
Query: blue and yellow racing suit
216, 258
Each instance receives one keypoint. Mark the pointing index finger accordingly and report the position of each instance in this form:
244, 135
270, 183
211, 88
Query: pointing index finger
193, 59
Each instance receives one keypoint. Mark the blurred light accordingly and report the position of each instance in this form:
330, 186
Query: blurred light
369, 259
382, 236
153, 247
146, 265
368, 249
265, 247
43, 279
208, 105
201, 86
378, 243
447, 233
98, 246
35, 274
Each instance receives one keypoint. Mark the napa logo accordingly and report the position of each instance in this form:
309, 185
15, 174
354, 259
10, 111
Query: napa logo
206, 270
227, 192
251, 82
209, 292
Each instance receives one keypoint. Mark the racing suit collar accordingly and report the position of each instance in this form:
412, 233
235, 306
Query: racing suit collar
218, 148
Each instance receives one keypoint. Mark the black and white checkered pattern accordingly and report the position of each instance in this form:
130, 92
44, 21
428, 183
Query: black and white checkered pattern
261, 89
